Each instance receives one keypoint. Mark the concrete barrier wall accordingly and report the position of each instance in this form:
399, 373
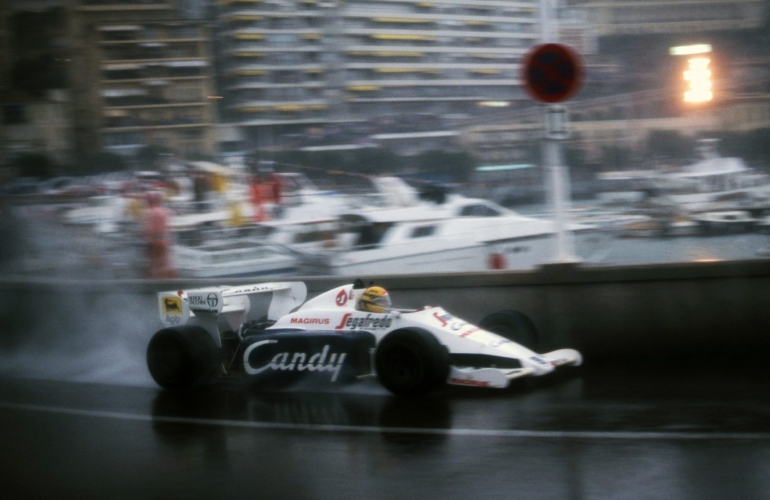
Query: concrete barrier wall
686, 310
682, 310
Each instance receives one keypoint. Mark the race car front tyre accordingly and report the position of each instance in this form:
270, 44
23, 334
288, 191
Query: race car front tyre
513, 325
182, 357
411, 362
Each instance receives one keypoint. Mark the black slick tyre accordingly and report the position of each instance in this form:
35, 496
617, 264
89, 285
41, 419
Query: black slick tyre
411, 362
514, 326
182, 357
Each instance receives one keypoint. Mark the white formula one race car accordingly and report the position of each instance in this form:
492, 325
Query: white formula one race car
340, 336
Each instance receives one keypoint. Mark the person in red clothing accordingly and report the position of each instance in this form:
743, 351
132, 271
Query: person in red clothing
258, 199
157, 238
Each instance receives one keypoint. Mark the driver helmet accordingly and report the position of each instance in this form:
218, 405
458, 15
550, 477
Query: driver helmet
374, 299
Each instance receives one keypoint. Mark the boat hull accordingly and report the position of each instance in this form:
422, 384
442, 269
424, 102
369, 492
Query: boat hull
514, 254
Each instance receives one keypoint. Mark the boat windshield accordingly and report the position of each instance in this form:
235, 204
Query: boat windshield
478, 210
366, 234
371, 235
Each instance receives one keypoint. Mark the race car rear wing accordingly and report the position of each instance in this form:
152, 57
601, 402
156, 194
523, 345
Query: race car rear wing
232, 303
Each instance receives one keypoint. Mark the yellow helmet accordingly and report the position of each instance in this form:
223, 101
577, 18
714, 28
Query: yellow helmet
375, 299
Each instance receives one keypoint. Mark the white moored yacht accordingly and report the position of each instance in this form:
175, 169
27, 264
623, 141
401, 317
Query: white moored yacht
711, 183
305, 226
453, 234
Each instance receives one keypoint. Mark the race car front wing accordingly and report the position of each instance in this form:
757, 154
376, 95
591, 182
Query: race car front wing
500, 378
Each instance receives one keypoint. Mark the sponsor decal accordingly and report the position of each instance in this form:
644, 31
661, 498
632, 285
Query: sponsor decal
309, 321
344, 320
174, 319
172, 305
474, 383
323, 361
368, 322
342, 298
204, 303
456, 325
197, 301
539, 360
250, 289
444, 318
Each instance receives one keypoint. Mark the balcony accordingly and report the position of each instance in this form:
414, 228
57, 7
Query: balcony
121, 120
115, 34
238, 2
470, 83
128, 5
281, 107
153, 69
151, 51
245, 84
413, 37
138, 98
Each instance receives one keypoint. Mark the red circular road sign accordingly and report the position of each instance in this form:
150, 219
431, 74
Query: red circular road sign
552, 73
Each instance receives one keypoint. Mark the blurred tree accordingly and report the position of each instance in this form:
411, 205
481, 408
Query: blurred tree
37, 75
34, 165
731, 143
374, 161
149, 157
669, 144
575, 157
458, 166
196, 156
615, 157
752, 146
38, 52
758, 146
288, 158
107, 162
314, 165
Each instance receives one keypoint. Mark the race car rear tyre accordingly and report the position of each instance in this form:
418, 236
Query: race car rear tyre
513, 325
182, 357
411, 362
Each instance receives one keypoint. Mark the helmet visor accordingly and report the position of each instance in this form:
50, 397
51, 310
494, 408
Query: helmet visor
375, 301
383, 301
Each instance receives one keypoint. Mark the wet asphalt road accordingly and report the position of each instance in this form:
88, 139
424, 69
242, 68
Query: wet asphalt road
636, 432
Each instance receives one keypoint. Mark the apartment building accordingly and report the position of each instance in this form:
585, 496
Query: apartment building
636, 37
294, 67
635, 17
34, 108
141, 75
36, 125
293, 64
5, 45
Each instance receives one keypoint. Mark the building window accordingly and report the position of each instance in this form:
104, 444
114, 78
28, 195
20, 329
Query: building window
13, 114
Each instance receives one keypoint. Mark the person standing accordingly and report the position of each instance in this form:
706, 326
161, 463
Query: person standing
157, 239
199, 191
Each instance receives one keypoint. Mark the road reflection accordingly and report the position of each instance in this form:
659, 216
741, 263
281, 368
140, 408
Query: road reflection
177, 415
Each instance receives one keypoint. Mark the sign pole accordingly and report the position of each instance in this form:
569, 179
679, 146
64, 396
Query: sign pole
558, 175
552, 73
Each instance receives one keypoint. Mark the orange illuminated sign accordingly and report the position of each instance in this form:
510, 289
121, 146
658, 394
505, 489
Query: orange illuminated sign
698, 78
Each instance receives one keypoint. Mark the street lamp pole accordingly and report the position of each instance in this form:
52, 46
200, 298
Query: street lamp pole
553, 156
549, 28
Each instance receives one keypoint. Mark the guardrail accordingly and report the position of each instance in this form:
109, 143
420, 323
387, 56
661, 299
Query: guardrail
683, 311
